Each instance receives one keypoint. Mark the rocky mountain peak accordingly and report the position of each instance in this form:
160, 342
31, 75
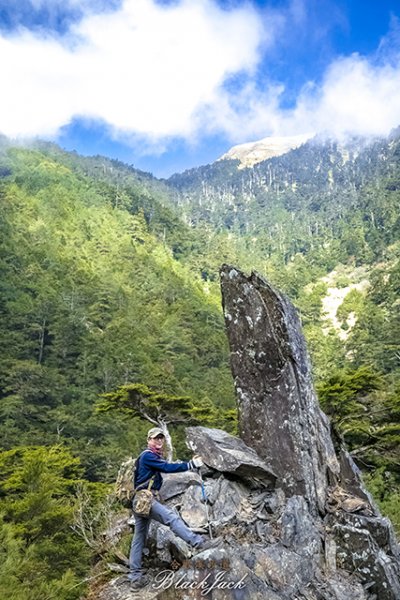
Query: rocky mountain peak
252, 153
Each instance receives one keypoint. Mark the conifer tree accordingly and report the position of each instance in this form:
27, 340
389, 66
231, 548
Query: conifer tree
159, 409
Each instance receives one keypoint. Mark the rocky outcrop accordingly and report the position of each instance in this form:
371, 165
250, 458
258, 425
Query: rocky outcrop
295, 519
280, 418
279, 414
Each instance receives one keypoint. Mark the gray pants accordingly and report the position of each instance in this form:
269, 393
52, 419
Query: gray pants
166, 516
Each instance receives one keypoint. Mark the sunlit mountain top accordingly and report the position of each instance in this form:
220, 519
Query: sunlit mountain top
252, 153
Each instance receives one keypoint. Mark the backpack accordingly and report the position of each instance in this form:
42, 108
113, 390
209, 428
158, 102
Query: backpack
124, 486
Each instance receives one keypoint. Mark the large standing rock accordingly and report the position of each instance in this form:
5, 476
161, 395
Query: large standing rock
279, 414
280, 418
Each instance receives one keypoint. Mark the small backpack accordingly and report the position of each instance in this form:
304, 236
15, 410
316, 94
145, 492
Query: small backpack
124, 485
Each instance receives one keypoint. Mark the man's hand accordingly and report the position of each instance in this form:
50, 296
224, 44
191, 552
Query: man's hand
196, 462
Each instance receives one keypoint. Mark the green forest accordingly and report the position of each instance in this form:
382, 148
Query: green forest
109, 286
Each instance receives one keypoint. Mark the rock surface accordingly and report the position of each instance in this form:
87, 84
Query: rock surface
279, 415
252, 153
228, 454
295, 519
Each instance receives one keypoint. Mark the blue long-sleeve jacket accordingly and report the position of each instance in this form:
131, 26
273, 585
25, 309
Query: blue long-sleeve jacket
149, 464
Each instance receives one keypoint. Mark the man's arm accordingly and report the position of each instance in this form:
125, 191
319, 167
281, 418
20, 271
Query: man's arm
156, 463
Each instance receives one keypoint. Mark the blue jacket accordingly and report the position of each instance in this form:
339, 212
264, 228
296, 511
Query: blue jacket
149, 464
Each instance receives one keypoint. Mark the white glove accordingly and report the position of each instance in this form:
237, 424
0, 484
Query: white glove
197, 461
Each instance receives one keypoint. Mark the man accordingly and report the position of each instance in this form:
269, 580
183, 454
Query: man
150, 465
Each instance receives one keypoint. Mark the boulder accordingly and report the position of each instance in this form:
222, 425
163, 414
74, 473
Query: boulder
228, 454
176, 483
366, 545
281, 569
230, 502
193, 509
168, 547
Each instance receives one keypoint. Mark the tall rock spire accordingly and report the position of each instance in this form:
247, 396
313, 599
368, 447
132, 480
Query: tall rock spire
279, 415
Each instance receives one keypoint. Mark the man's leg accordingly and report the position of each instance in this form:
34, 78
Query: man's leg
168, 516
138, 542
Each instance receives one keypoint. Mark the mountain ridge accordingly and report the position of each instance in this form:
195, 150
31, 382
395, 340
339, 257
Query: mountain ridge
313, 169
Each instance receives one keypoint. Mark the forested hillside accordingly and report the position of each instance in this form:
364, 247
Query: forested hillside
109, 277
324, 200
92, 297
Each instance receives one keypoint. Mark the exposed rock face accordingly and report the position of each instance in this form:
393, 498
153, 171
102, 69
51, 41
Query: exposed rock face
279, 414
252, 153
296, 521
280, 418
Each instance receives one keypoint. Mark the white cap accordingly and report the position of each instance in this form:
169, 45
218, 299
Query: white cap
154, 432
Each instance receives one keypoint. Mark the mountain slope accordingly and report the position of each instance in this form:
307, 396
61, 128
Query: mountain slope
320, 196
92, 297
109, 276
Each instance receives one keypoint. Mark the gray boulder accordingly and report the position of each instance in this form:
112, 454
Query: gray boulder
228, 454
193, 509
175, 484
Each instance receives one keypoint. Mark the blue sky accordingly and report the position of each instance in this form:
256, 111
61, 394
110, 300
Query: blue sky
168, 85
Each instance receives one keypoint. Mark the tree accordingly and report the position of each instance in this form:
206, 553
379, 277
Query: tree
158, 408
37, 487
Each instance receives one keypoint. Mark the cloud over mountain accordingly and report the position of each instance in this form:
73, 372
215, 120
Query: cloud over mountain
162, 70
144, 68
355, 96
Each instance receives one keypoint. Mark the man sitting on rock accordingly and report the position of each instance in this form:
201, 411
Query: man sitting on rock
150, 465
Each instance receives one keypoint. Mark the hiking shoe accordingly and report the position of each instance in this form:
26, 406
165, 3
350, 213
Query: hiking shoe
140, 583
208, 544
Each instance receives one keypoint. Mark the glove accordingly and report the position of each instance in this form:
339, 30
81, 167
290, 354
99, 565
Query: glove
196, 462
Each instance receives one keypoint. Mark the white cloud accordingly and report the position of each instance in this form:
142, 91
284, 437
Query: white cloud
159, 71
355, 97
144, 68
